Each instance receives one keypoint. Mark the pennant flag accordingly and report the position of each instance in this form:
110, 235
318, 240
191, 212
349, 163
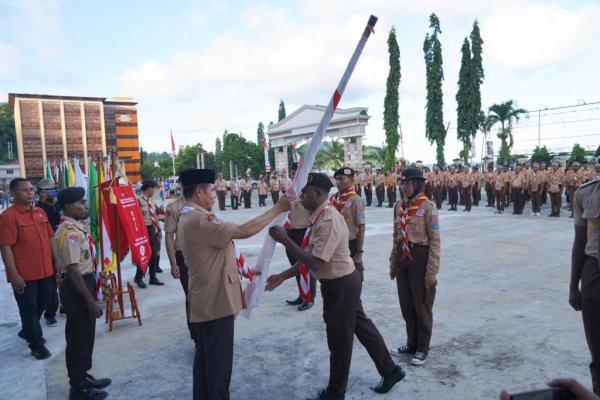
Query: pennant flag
62, 183
93, 201
47, 171
55, 172
108, 255
69, 175
172, 144
122, 172
79, 177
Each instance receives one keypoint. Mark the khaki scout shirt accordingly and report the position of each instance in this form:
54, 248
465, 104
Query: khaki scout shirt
220, 185
299, 216
145, 205
499, 181
71, 246
466, 179
586, 213
379, 180
172, 219
517, 180
246, 185
354, 215
536, 183
555, 180
490, 178
275, 186
235, 187
423, 229
367, 179
436, 179
214, 289
452, 180
262, 187
285, 182
390, 181
476, 178
329, 243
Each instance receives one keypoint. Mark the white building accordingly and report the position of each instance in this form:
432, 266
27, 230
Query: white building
8, 172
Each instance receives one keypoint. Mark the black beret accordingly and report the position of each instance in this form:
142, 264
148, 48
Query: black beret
148, 183
70, 195
345, 171
195, 176
412, 173
319, 180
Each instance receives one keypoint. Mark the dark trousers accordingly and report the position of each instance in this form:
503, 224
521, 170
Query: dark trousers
52, 306
391, 193
184, 279
500, 200
518, 200
467, 198
235, 202
262, 200
297, 235
247, 199
155, 247
358, 189
32, 303
437, 196
344, 317
453, 197
275, 197
489, 193
555, 202
476, 194
590, 304
213, 360
80, 331
507, 197
360, 268
416, 301
369, 194
221, 195
380, 193
544, 194
536, 201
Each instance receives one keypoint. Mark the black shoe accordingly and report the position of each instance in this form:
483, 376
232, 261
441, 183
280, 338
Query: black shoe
140, 283
97, 383
61, 310
323, 395
88, 393
51, 321
305, 306
296, 302
388, 382
22, 336
156, 282
159, 270
40, 351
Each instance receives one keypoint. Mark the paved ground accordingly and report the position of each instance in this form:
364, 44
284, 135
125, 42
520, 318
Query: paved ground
501, 321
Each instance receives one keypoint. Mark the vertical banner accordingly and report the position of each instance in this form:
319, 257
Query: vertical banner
490, 148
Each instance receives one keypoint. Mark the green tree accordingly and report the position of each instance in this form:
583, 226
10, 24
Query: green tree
505, 113
259, 133
390, 103
282, 113
466, 122
374, 156
243, 154
330, 156
7, 132
434, 117
578, 153
541, 154
218, 149
477, 72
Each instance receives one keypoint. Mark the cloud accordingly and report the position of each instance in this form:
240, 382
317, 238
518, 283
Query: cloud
524, 37
9, 60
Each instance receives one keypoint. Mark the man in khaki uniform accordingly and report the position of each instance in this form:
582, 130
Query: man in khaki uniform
390, 185
500, 183
585, 269
380, 187
262, 188
350, 205
150, 214
75, 256
358, 184
179, 269
536, 183
234, 186
275, 188
328, 257
476, 179
367, 184
215, 291
466, 183
544, 170
246, 186
414, 263
437, 182
489, 185
517, 184
573, 181
555, 188
452, 182
221, 187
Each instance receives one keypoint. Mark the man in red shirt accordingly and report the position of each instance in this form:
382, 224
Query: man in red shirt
25, 244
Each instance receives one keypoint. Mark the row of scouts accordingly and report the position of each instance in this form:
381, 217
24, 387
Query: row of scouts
324, 240
242, 190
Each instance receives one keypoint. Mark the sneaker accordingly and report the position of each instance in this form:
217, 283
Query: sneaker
402, 350
51, 321
40, 351
419, 358
533, 214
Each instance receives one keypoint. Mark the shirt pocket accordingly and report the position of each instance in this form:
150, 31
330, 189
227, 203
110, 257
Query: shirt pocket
233, 276
27, 232
416, 228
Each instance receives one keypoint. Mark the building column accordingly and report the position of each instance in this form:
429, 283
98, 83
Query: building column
63, 128
42, 134
353, 153
19, 138
84, 137
281, 158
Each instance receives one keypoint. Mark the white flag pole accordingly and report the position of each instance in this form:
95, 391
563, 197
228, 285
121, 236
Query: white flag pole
255, 290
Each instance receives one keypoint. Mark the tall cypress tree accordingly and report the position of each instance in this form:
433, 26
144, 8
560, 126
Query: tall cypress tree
477, 74
390, 103
259, 133
466, 121
218, 151
434, 116
282, 113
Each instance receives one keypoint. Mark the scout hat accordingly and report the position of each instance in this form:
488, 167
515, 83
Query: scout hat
412, 173
70, 195
195, 176
48, 186
345, 171
575, 164
319, 180
148, 183
536, 165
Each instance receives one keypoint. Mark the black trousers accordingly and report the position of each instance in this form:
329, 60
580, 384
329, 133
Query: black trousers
555, 202
80, 331
344, 317
297, 235
369, 194
518, 200
476, 194
261, 200
391, 193
32, 303
235, 202
184, 279
467, 197
213, 360
275, 197
536, 201
453, 197
52, 306
360, 268
500, 200
489, 192
590, 304
380, 193
221, 195
155, 247
437, 196
247, 199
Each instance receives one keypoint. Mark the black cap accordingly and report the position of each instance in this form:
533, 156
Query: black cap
70, 195
148, 183
195, 176
319, 180
345, 171
412, 173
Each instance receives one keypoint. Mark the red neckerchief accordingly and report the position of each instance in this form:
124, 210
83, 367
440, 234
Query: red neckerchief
305, 278
339, 199
403, 212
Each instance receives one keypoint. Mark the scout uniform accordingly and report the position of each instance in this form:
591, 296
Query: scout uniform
357, 184
380, 188
285, 182
536, 183
586, 207
73, 246
555, 186
390, 184
489, 186
367, 184
247, 191
466, 182
171, 223
452, 180
234, 186
544, 169
500, 184
221, 188
415, 262
352, 208
573, 181
437, 181
476, 179
150, 216
517, 185
275, 188
262, 191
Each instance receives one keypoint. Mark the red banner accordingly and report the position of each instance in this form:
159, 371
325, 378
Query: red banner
109, 220
132, 222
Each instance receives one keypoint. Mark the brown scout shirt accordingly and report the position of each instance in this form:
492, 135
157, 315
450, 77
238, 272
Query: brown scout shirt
70, 245
275, 186
329, 243
379, 180
536, 183
452, 180
214, 289
172, 220
367, 180
466, 179
586, 213
262, 187
476, 178
517, 181
555, 180
390, 181
354, 215
145, 205
235, 187
220, 185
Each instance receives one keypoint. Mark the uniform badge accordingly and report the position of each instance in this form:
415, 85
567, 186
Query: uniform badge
213, 219
348, 204
435, 221
347, 171
73, 238
420, 212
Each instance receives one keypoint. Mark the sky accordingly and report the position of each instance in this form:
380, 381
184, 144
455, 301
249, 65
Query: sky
200, 67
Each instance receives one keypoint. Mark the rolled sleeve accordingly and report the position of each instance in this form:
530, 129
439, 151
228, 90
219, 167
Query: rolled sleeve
324, 240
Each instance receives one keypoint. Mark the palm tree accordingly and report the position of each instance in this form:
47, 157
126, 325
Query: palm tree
374, 156
330, 156
505, 113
